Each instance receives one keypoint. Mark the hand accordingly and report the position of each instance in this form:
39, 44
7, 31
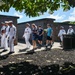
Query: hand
6, 36
13, 37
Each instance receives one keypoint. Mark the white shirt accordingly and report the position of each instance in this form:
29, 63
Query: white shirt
61, 32
70, 31
27, 31
7, 30
12, 31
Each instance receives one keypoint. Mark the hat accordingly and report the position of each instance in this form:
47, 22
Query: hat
6, 21
10, 21
70, 26
28, 24
62, 27
2, 23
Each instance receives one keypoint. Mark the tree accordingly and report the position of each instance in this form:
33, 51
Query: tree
37, 7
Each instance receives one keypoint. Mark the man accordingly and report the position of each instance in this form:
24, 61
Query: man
2, 34
49, 36
6, 35
26, 35
61, 33
40, 35
70, 30
12, 36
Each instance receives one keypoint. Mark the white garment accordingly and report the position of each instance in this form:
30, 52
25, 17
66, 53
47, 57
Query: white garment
70, 31
61, 33
3, 28
6, 37
26, 35
2, 40
2, 37
12, 33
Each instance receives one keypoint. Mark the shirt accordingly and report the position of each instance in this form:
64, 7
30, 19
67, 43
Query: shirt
49, 31
7, 30
70, 31
12, 31
34, 31
27, 31
40, 31
61, 32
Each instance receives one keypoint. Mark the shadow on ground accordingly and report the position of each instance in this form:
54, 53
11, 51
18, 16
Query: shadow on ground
25, 68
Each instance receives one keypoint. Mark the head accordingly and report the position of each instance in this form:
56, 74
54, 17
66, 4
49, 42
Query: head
39, 26
33, 25
61, 27
2, 24
70, 27
48, 25
6, 23
27, 25
3, 31
10, 23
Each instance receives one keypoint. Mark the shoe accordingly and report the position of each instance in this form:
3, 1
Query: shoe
4, 50
50, 46
10, 52
30, 52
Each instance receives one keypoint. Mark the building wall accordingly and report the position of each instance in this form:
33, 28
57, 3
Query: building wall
43, 23
4, 18
56, 28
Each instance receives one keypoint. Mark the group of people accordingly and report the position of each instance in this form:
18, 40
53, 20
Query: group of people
63, 32
8, 35
36, 33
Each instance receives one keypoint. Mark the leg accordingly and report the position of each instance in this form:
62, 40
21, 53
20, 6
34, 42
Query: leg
27, 42
6, 43
11, 44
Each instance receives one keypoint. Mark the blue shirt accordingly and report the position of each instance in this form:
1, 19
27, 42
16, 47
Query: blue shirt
49, 31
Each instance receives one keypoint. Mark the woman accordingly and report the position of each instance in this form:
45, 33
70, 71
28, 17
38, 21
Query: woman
34, 36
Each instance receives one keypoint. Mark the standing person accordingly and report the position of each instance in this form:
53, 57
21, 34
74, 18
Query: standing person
26, 35
12, 36
61, 33
34, 36
70, 30
6, 35
49, 36
2, 34
40, 35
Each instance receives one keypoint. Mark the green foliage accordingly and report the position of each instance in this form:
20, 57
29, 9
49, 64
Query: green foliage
72, 22
37, 7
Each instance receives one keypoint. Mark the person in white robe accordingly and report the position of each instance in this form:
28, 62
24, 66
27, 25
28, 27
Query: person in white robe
70, 30
26, 35
61, 33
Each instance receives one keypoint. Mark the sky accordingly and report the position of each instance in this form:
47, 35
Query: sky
59, 15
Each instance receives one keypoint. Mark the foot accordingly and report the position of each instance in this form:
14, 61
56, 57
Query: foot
50, 46
10, 52
30, 52
5, 50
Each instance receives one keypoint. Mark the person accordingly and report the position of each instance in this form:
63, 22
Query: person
61, 33
70, 30
2, 35
2, 26
34, 36
40, 35
12, 36
26, 35
49, 36
6, 35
